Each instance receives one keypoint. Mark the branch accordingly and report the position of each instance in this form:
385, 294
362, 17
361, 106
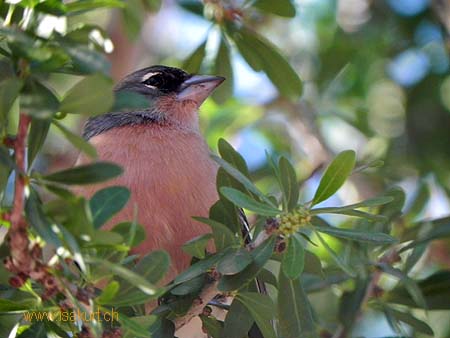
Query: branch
20, 254
210, 290
372, 290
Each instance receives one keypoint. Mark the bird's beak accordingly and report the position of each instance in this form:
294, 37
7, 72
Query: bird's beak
198, 87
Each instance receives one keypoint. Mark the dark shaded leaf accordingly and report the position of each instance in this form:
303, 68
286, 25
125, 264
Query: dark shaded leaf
234, 261
261, 54
86, 174
77, 141
194, 61
212, 326
294, 311
222, 67
93, 95
36, 137
38, 101
198, 268
223, 237
407, 318
106, 203
260, 257
192, 286
196, 247
9, 91
237, 322
133, 232
261, 309
86, 60
350, 304
293, 259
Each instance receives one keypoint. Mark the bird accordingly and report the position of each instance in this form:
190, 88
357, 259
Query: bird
165, 159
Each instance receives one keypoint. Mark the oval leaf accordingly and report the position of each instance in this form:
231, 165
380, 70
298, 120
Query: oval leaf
234, 261
293, 259
335, 175
106, 203
93, 95
86, 174
243, 201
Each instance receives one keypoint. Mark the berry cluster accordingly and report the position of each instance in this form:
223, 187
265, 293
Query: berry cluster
293, 221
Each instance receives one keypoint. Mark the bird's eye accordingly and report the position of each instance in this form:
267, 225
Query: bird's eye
156, 80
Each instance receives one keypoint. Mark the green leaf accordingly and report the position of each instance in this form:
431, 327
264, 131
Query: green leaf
151, 268
136, 327
212, 326
293, 258
357, 235
410, 285
196, 247
371, 202
335, 176
435, 290
194, 61
234, 261
283, 8
93, 95
289, 185
230, 155
407, 318
261, 54
106, 203
132, 277
36, 138
53, 7
351, 302
38, 101
86, 174
222, 67
348, 212
77, 141
421, 198
108, 293
135, 233
440, 229
86, 60
9, 90
198, 268
237, 322
260, 257
192, 286
242, 200
242, 178
294, 311
313, 264
335, 257
223, 237
261, 309
78, 7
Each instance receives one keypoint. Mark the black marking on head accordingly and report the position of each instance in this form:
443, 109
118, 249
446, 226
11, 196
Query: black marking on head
154, 81
99, 124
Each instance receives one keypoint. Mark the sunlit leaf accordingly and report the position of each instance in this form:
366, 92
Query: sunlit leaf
335, 175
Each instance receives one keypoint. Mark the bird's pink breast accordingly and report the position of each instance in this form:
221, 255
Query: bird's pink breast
171, 178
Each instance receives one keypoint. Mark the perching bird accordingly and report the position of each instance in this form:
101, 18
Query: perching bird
166, 162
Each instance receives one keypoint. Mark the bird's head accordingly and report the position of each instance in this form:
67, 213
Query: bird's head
170, 91
171, 96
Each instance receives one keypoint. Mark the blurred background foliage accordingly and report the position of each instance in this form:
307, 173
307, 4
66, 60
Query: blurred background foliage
374, 78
